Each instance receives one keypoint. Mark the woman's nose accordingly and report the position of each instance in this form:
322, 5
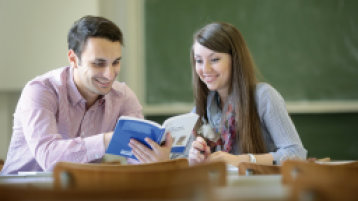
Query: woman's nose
207, 67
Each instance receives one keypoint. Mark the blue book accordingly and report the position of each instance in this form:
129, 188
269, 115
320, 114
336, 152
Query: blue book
180, 127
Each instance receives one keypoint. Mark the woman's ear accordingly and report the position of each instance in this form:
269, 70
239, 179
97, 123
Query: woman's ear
72, 58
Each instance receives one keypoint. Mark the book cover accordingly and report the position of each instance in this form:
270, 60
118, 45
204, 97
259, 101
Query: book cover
180, 128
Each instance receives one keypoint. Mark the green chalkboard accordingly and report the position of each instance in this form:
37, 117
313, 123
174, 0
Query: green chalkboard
307, 49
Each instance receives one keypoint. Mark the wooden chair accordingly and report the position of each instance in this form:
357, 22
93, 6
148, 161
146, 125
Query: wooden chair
176, 163
246, 168
312, 181
1, 164
112, 163
312, 159
291, 168
159, 182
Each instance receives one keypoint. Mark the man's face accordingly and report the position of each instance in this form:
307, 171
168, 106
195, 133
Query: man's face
98, 67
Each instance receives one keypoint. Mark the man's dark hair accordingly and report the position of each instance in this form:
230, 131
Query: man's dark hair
91, 26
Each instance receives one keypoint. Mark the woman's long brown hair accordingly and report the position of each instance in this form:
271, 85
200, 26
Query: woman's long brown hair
225, 38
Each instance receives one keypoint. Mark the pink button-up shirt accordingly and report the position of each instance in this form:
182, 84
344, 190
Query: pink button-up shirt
51, 123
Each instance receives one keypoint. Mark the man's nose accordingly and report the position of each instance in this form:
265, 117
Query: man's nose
109, 72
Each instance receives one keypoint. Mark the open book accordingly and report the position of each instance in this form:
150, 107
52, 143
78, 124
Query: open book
180, 127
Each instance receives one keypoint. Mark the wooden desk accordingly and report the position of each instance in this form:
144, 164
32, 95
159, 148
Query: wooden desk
247, 193
42, 180
255, 187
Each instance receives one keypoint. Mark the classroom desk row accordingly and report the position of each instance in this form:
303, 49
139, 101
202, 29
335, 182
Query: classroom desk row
255, 187
325, 181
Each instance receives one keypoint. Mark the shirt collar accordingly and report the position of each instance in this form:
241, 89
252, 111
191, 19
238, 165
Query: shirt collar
101, 100
213, 110
73, 93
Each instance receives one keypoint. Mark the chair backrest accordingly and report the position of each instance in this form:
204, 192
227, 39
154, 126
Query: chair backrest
292, 168
138, 177
176, 163
1, 164
312, 181
246, 168
79, 171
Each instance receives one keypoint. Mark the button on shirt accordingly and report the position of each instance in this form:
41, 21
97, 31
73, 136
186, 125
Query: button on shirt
51, 122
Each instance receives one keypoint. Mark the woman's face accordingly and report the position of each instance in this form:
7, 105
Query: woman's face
213, 68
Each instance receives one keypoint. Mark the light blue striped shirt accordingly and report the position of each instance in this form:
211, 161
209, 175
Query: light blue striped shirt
279, 133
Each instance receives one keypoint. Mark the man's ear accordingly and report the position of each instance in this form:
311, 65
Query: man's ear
72, 58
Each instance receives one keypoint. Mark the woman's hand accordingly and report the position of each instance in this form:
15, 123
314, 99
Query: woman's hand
225, 157
199, 151
156, 154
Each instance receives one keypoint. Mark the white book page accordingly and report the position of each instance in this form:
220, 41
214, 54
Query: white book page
141, 120
180, 127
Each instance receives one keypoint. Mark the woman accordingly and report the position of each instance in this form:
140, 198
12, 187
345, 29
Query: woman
242, 120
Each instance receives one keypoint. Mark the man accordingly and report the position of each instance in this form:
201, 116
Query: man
68, 114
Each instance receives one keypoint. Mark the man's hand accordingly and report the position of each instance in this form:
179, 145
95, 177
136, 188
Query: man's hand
156, 154
107, 138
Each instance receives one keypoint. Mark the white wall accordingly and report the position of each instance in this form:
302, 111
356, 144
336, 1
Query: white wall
128, 14
33, 37
33, 40
7, 105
